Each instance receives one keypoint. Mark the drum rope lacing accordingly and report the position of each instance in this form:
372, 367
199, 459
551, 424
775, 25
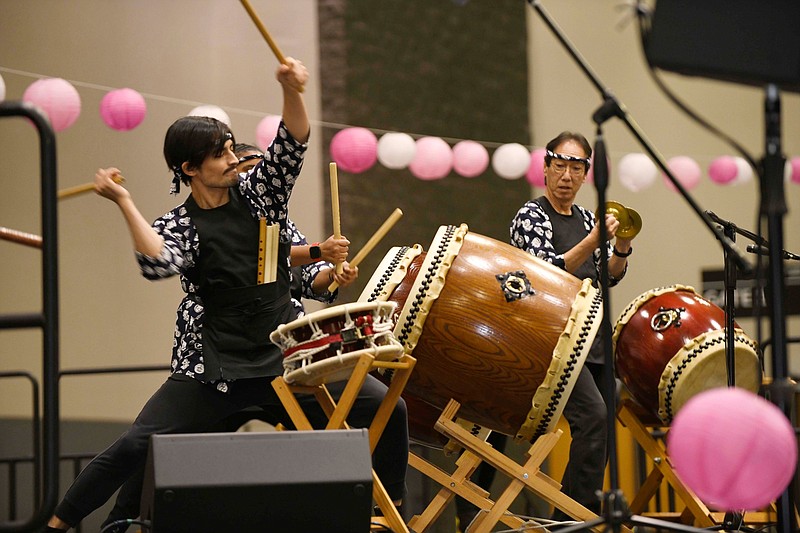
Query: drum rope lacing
368, 328
425, 285
558, 392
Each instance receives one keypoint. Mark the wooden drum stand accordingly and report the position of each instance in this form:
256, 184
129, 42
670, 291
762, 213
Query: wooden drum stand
522, 476
337, 414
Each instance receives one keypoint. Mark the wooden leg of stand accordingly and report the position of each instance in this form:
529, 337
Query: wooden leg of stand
390, 513
402, 371
657, 452
350, 392
290, 403
455, 484
646, 492
537, 481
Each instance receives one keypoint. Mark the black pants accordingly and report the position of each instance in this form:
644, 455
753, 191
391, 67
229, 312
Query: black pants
184, 405
586, 413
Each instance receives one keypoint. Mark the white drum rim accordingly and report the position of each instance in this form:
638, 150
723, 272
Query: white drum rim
340, 367
694, 354
390, 273
329, 312
566, 363
428, 284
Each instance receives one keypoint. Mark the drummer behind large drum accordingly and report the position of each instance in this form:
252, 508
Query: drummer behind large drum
555, 229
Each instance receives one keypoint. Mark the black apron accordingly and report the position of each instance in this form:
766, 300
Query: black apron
239, 314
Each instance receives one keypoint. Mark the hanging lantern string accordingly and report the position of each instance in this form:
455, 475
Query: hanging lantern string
316, 123
241, 111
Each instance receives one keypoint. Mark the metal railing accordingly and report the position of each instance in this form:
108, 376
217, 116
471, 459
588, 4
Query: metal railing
46, 320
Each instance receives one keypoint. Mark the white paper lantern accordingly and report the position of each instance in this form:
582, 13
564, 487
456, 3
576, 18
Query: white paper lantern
745, 174
511, 161
2, 89
210, 111
637, 171
396, 150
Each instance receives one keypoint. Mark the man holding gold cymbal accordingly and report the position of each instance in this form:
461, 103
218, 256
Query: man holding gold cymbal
555, 229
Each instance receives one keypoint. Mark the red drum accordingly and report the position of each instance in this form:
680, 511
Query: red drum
503, 333
670, 345
324, 346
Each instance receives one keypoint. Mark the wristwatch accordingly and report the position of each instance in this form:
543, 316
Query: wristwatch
315, 251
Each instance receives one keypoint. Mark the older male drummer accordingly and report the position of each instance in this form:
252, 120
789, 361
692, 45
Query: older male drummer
554, 228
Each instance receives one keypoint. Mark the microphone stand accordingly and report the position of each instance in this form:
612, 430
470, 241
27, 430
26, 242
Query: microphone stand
615, 510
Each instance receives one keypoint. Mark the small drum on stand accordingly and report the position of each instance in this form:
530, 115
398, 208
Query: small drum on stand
324, 346
669, 345
500, 331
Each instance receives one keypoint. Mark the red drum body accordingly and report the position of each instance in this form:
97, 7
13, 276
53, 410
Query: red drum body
670, 345
503, 333
324, 346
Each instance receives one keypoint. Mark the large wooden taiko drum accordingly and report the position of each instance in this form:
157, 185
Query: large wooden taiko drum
503, 333
669, 345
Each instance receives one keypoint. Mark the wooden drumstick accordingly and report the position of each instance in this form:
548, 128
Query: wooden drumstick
376, 237
337, 227
28, 239
264, 33
80, 189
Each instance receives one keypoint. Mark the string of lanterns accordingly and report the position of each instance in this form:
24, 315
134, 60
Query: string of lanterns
357, 149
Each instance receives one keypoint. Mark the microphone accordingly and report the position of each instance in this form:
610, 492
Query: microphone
758, 250
763, 250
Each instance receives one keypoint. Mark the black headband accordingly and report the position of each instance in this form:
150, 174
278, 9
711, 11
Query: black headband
585, 160
250, 157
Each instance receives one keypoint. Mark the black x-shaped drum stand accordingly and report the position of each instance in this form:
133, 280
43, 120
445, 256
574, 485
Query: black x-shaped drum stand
615, 512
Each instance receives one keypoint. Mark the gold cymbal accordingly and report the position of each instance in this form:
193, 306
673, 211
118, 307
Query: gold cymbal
630, 222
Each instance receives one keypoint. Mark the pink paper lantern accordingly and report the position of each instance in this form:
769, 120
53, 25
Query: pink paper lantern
535, 174
795, 163
123, 109
637, 171
734, 449
470, 158
433, 159
354, 150
266, 130
723, 170
685, 170
57, 98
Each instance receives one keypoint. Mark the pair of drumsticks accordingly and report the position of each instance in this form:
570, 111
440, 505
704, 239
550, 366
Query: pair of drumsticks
35, 241
337, 229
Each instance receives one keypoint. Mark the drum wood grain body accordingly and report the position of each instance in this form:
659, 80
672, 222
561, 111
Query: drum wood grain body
669, 345
498, 330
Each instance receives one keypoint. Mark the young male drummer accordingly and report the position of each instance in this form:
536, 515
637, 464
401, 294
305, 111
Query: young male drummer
222, 360
555, 229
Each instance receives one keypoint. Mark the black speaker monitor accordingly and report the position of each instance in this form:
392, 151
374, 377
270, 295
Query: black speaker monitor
281, 482
754, 42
